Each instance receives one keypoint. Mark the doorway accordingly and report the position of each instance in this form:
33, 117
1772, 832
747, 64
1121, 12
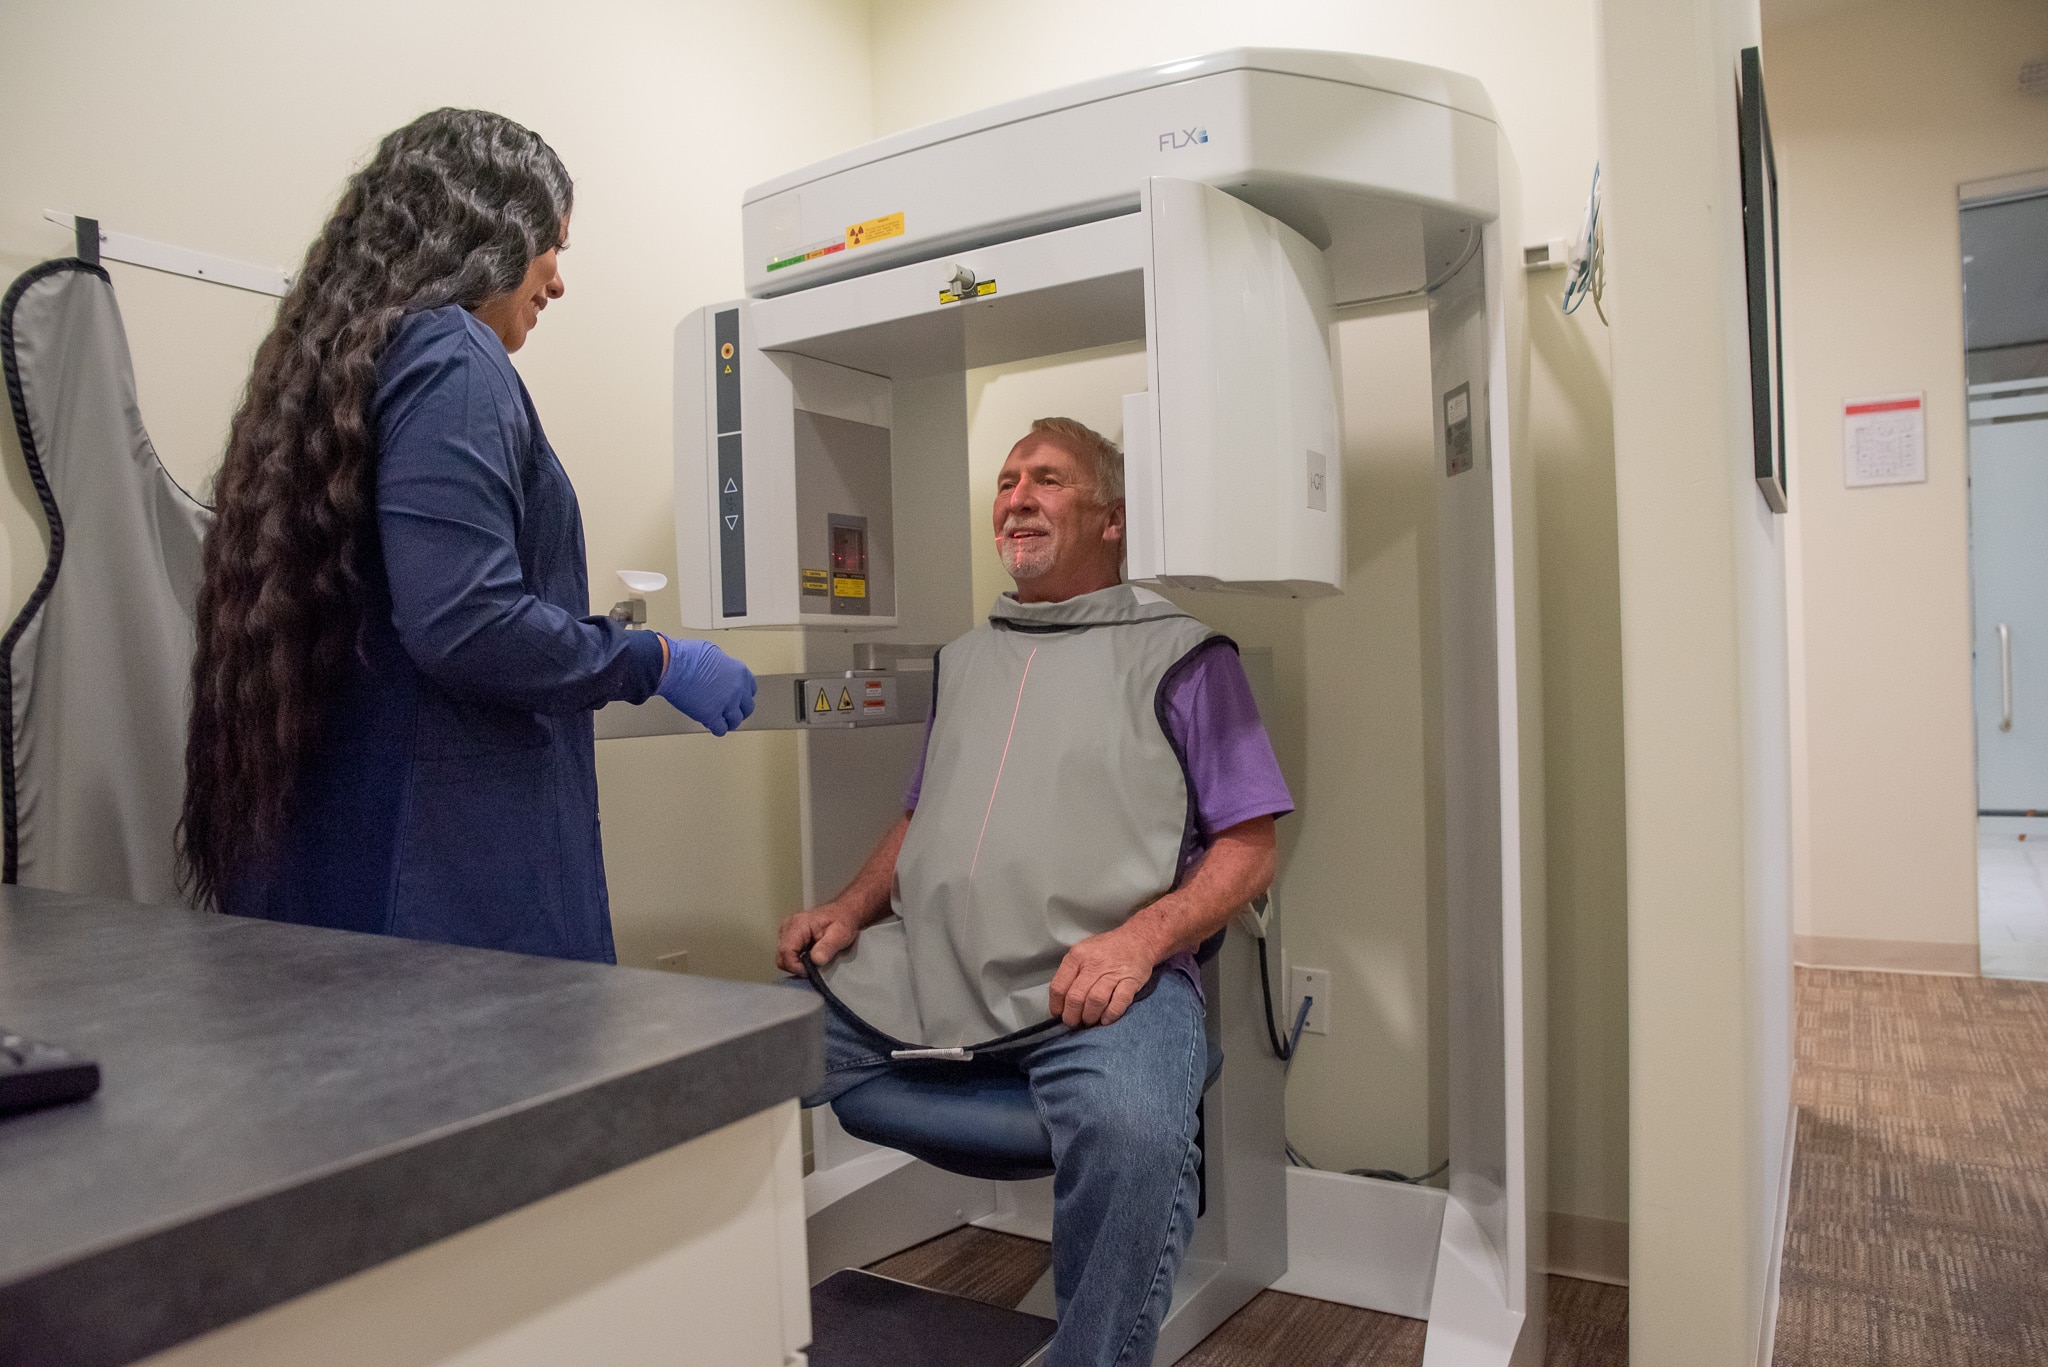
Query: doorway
2005, 328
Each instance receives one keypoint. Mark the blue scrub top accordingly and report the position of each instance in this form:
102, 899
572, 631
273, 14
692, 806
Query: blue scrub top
453, 794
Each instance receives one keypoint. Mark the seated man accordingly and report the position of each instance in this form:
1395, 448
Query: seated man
1097, 797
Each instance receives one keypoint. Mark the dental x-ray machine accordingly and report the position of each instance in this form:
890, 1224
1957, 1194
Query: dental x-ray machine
1222, 211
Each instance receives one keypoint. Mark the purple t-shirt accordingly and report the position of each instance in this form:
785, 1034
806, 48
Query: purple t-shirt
1214, 723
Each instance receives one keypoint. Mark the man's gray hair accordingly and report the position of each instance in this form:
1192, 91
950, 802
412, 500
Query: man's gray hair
1098, 452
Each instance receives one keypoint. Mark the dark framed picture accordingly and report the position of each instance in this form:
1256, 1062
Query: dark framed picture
1760, 250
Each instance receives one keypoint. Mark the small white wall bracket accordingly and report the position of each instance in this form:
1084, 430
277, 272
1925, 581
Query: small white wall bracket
95, 241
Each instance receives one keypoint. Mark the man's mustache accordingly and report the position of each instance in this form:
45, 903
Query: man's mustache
1017, 525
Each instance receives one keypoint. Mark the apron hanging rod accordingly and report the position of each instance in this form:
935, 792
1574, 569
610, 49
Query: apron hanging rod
95, 242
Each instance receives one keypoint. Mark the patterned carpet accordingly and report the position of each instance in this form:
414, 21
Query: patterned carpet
1588, 1322
1918, 1230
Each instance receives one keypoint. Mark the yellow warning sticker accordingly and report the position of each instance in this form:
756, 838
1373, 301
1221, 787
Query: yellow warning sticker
845, 700
816, 581
982, 289
874, 230
849, 586
823, 704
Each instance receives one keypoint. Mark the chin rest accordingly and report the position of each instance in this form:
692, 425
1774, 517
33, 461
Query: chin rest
974, 1118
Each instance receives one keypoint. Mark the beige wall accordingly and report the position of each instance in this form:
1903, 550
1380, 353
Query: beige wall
228, 127
1704, 697
1879, 111
1355, 672
1534, 57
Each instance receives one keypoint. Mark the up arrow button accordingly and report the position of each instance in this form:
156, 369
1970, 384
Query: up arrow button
731, 487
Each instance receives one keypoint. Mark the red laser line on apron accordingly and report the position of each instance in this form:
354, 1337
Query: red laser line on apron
976, 861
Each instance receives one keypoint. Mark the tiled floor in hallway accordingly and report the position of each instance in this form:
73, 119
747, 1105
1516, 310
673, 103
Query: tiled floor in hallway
2012, 896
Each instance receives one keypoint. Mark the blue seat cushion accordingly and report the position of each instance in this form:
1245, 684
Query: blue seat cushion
976, 1119
968, 1118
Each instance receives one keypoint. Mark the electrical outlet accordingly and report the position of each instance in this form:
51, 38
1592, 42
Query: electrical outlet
677, 961
1309, 982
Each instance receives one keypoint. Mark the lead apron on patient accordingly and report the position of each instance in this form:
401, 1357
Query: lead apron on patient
1053, 806
95, 669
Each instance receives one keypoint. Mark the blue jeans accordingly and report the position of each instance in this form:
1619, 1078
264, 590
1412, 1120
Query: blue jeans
1119, 1101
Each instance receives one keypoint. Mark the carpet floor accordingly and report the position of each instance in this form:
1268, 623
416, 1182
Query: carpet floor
1918, 1227
1588, 1321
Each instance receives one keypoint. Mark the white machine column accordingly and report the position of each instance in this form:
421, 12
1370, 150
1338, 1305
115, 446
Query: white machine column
1487, 1302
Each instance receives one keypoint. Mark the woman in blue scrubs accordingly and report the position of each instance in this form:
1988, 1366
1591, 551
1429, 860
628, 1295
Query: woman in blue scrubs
396, 670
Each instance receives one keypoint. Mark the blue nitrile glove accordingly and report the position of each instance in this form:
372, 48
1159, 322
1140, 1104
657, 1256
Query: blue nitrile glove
707, 685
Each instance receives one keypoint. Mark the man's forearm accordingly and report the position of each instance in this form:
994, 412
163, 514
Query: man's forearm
869, 893
1237, 867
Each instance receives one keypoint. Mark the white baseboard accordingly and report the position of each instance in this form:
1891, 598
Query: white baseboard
1360, 1241
1886, 956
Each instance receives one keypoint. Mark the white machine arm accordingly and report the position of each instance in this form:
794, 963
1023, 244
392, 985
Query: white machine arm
1239, 447
783, 469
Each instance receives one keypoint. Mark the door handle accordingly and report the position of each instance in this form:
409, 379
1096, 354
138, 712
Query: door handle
2005, 675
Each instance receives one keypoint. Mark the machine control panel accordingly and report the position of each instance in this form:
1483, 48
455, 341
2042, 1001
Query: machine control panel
849, 541
784, 486
732, 509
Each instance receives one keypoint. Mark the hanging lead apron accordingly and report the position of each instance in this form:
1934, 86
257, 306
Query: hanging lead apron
95, 671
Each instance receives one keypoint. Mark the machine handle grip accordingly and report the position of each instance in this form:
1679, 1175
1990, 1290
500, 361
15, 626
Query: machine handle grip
2005, 675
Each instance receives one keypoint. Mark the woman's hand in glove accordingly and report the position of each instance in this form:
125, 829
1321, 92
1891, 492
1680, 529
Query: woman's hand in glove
707, 685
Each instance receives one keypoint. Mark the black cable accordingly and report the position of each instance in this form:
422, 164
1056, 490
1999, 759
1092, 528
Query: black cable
1283, 1052
996, 1045
1389, 1175
1000, 1043
1300, 1160
17, 399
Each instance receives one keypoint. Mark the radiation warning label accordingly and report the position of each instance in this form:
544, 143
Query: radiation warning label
849, 700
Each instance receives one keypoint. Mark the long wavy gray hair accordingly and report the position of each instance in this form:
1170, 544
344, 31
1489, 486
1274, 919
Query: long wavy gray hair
452, 209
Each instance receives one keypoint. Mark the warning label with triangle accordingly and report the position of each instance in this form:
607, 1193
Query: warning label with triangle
823, 704
845, 700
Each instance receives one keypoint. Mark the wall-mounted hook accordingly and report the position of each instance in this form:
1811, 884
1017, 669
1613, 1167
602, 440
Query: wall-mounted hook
95, 242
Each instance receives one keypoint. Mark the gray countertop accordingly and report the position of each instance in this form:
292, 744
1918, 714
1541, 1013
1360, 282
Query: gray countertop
283, 1106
